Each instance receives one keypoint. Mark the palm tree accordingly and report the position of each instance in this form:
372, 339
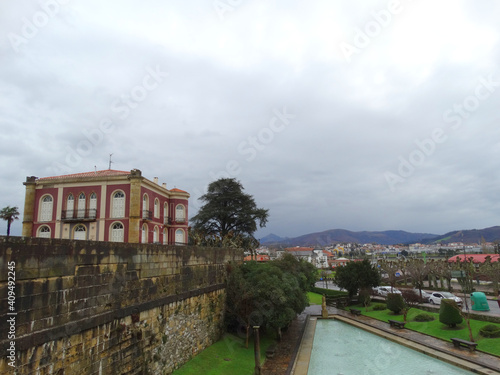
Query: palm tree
9, 214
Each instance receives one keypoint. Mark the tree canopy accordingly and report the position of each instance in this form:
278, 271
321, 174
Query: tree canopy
356, 275
227, 213
269, 294
9, 214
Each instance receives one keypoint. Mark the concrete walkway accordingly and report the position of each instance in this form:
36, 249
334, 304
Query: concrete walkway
476, 361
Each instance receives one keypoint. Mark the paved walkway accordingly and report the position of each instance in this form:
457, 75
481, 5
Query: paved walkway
282, 363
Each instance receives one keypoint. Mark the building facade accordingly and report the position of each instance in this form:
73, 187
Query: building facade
108, 205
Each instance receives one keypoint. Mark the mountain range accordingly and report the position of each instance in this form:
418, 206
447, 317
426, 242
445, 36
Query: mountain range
389, 237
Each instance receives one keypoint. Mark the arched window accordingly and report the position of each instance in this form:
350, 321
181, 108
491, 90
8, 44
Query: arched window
70, 206
157, 208
93, 205
180, 214
118, 209
156, 235
81, 205
44, 232
46, 208
165, 236
80, 232
179, 236
144, 237
117, 232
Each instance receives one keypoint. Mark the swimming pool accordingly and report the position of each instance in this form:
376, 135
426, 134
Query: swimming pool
341, 349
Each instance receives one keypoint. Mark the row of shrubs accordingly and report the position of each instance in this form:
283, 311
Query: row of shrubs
449, 314
329, 292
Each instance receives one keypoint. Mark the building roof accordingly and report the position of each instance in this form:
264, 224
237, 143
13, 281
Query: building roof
104, 173
476, 258
178, 190
299, 248
258, 258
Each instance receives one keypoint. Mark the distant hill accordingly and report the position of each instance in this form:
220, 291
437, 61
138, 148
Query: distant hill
490, 234
271, 238
389, 237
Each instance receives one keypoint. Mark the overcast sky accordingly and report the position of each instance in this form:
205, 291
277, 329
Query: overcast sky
365, 115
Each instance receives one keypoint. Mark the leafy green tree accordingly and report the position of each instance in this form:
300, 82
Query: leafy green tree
268, 295
304, 271
241, 297
228, 212
449, 313
356, 275
9, 214
395, 302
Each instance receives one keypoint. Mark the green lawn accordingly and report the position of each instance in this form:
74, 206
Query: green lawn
228, 356
437, 329
315, 298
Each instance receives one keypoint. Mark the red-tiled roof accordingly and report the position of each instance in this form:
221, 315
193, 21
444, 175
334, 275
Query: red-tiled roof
258, 258
178, 190
104, 173
299, 248
476, 258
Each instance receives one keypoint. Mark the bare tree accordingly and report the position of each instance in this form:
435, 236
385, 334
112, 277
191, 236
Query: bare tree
492, 271
411, 300
390, 268
418, 271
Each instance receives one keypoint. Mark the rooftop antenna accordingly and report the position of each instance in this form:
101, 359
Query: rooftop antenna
110, 162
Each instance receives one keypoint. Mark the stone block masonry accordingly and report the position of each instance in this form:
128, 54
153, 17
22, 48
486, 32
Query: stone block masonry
85, 307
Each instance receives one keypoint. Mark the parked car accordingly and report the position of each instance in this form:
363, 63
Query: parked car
425, 295
385, 290
436, 298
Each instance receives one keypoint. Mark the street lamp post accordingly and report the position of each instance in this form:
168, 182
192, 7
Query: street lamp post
256, 350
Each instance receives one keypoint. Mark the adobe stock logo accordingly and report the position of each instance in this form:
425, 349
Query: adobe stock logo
250, 147
379, 21
455, 116
31, 26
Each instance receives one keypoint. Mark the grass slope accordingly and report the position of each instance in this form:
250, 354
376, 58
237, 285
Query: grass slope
315, 298
227, 356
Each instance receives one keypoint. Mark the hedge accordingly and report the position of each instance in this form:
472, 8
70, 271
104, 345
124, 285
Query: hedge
329, 292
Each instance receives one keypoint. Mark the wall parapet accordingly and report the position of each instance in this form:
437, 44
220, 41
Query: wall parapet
67, 287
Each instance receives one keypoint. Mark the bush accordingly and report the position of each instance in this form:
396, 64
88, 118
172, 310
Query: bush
449, 313
395, 302
379, 307
490, 330
423, 317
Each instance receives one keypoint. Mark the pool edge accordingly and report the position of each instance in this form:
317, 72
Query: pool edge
303, 356
302, 359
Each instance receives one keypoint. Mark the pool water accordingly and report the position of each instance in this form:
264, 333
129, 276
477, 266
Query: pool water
342, 349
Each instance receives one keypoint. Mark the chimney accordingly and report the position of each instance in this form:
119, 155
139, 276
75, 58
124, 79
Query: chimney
156, 180
164, 184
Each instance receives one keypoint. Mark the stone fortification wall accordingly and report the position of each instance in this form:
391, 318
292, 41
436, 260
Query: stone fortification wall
84, 307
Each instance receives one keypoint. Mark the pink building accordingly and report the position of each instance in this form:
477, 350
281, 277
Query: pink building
106, 205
